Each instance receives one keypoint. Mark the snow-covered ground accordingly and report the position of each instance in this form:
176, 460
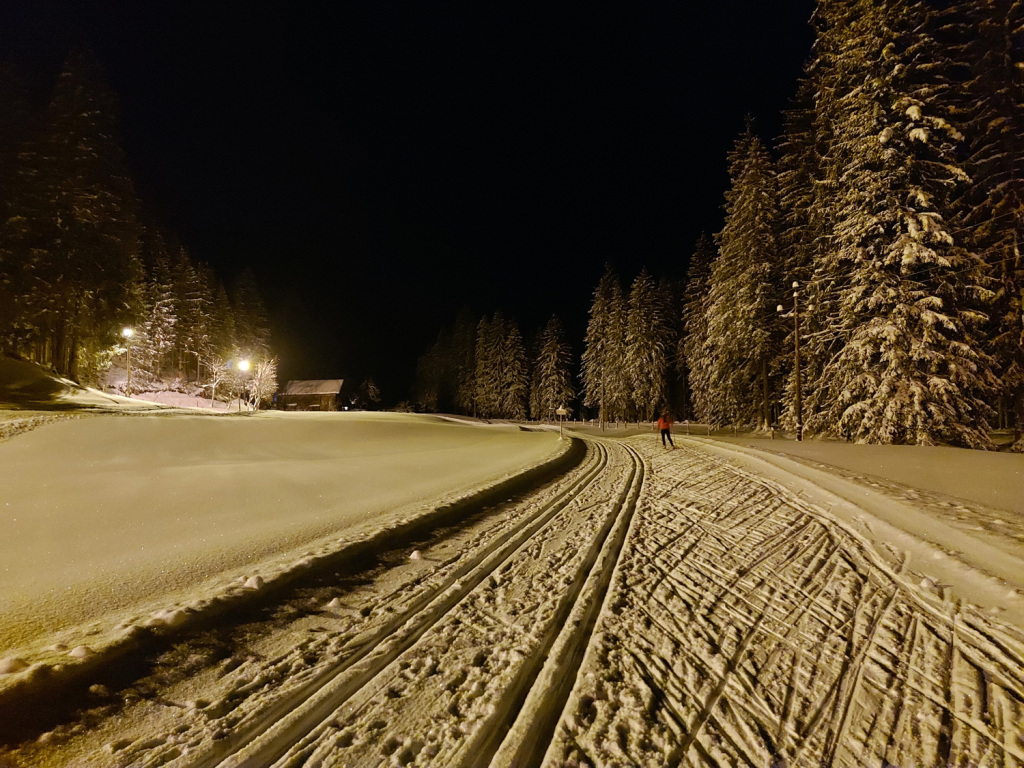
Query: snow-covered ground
726, 603
114, 522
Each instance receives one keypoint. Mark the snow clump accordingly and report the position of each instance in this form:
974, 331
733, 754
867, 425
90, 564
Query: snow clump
254, 582
12, 664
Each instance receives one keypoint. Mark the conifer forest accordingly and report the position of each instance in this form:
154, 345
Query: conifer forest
879, 237
86, 270
866, 282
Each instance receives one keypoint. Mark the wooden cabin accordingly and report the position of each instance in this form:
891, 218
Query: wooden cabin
310, 395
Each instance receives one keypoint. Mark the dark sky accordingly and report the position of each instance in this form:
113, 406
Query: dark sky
381, 164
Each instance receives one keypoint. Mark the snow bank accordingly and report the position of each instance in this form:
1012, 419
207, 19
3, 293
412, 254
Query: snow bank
116, 523
983, 477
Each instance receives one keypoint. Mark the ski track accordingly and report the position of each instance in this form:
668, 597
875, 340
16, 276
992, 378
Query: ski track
750, 629
650, 608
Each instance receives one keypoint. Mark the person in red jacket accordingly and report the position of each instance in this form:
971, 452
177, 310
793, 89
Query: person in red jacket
665, 425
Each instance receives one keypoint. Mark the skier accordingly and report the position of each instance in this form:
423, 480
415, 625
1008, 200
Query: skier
665, 425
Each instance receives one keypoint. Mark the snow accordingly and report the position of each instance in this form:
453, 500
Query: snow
730, 602
113, 521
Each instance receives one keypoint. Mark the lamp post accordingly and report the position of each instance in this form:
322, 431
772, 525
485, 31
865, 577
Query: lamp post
243, 366
128, 333
796, 360
561, 414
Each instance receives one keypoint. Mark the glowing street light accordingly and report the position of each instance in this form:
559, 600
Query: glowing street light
243, 366
128, 333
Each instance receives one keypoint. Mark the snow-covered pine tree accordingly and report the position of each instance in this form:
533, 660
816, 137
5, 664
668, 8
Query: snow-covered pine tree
742, 327
153, 340
910, 368
71, 231
430, 375
800, 231
514, 373
536, 410
648, 341
464, 360
552, 371
695, 350
983, 84
252, 324
490, 334
603, 370
677, 395
222, 319
193, 304
15, 124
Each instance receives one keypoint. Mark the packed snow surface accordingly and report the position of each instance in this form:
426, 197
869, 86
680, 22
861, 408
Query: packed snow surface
720, 604
107, 516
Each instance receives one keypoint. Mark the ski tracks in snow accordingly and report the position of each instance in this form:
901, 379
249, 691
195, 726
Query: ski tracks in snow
648, 609
748, 628
470, 661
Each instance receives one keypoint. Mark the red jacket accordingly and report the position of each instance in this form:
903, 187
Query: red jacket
664, 423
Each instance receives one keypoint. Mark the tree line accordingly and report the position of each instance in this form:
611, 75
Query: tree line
881, 237
878, 239
630, 370
81, 260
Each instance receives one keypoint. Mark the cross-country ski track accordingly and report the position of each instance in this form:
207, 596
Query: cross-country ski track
646, 608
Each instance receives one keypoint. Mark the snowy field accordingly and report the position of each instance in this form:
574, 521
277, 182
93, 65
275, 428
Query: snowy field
112, 522
729, 603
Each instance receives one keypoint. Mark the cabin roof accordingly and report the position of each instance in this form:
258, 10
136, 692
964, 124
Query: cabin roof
312, 387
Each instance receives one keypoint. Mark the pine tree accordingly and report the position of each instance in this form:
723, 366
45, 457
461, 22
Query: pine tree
696, 349
514, 374
252, 324
801, 230
490, 335
983, 86
742, 328
552, 371
648, 340
70, 236
154, 334
464, 360
603, 373
193, 304
903, 290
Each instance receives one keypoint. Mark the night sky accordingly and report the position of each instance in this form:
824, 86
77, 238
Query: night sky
379, 165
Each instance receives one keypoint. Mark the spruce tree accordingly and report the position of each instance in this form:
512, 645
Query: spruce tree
252, 323
514, 374
983, 86
603, 371
552, 371
903, 290
490, 334
70, 234
464, 360
742, 328
695, 347
648, 341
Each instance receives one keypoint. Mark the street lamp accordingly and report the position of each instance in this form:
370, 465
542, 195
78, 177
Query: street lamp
243, 366
128, 333
796, 360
